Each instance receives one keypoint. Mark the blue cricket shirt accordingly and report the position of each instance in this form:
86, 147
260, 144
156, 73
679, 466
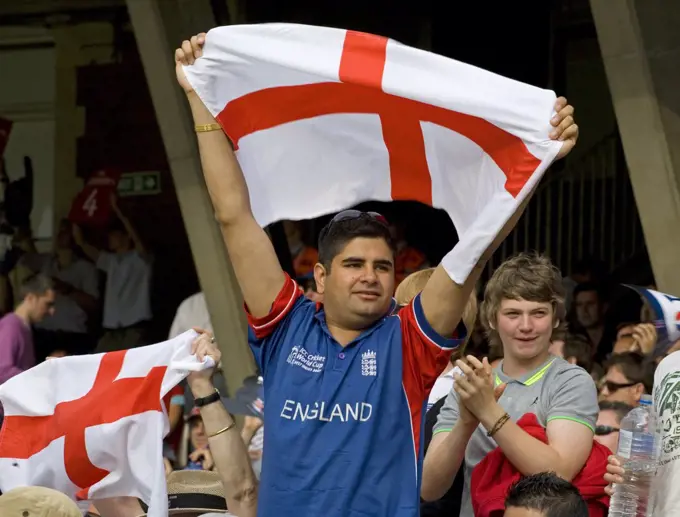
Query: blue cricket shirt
343, 425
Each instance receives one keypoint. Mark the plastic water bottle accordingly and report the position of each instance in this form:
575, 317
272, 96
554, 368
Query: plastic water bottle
638, 449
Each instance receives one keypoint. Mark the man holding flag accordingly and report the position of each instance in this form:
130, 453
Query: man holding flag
345, 382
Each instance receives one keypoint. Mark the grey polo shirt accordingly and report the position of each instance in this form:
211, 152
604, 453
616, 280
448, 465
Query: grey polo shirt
555, 390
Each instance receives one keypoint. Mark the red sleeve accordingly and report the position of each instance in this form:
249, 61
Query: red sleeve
425, 353
260, 328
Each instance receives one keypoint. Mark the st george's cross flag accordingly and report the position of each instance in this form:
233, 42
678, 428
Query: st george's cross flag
323, 119
92, 426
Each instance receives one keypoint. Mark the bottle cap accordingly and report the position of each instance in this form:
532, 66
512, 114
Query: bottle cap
646, 400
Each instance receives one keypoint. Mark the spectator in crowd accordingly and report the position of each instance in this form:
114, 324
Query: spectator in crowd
16, 338
629, 376
174, 403
77, 290
589, 312
574, 349
544, 495
304, 257
311, 372
667, 406
635, 337
249, 402
37, 502
127, 265
406, 291
608, 421
586, 270
523, 309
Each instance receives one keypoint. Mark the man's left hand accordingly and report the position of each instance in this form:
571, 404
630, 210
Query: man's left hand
566, 130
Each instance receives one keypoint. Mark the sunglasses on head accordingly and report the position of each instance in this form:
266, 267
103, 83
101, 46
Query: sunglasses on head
348, 215
604, 430
615, 386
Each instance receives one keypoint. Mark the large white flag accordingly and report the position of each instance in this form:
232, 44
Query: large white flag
92, 426
323, 119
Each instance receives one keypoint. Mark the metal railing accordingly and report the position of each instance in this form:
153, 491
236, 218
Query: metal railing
586, 209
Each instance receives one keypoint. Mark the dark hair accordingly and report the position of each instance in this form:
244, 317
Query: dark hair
579, 347
336, 235
587, 287
36, 284
620, 408
547, 493
635, 367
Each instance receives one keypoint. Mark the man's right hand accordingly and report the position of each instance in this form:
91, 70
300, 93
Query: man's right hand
614, 474
187, 54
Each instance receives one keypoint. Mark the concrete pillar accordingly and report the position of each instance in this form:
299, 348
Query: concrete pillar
160, 25
68, 121
640, 45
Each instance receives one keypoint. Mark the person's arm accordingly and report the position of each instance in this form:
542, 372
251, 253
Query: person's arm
228, 451
252, 255
446, 451
11, 346
87, 296
570, 423
118, 507
443, 300
129, 228
91, 251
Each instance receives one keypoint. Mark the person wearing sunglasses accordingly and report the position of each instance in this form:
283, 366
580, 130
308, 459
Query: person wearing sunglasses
345, 381
629, 376
608, 421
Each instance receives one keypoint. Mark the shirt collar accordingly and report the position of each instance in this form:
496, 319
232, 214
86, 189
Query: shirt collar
320, 316
528, 378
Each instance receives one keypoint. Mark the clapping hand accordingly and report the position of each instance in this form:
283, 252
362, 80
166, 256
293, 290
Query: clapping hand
475, 388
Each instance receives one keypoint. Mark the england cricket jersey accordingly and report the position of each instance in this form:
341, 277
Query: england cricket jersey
343, 425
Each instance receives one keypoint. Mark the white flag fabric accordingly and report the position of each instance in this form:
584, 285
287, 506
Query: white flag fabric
92, 426
323, 119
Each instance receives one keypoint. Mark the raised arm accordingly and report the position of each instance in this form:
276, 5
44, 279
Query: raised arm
226, 445
129, 228
443, 300
257, 268
91, 251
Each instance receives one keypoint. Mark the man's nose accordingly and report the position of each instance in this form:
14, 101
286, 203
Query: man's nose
525, 323
369, 274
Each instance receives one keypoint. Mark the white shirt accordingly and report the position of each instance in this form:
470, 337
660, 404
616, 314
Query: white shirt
192, 312
128, 285
667, 406
442, 386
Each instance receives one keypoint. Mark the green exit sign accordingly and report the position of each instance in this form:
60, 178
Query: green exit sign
139, 184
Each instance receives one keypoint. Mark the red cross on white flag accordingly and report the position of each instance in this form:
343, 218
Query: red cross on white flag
323, 119
92, 426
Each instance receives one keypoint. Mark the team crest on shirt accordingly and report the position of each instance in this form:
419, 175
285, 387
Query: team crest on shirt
300, 357
369, 365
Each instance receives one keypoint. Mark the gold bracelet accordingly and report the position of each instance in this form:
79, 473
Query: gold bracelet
201, 128
224, 430
497, 426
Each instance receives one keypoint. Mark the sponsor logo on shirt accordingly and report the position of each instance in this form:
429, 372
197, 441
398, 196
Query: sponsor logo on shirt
357, 412
369, 366
300, 357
